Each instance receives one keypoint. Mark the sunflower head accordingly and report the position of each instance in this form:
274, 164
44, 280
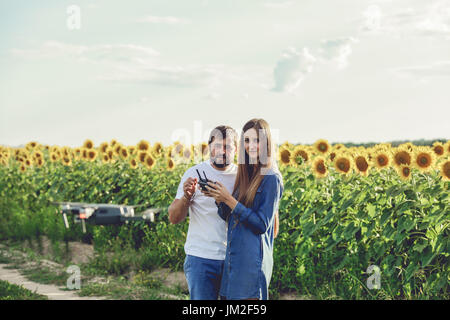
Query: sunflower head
103, 147
319, 167
39, 162
362, 164
66, 161
92, 154
157, 148
401, 156
132, 150
133, 163
322, 147
299, 156
424, 158
404, 171
124, 153
205, 149
381, 158
178, 148
143, 145
31, 145
88, 144
343, 164
170, 164
445, 170
110, 153
284, 156
149, 161
54, 157
105, 158
438, 148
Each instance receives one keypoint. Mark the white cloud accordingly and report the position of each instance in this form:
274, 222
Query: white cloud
337, 50
128, 63
292, 68
294, 65
95, 53
431, 20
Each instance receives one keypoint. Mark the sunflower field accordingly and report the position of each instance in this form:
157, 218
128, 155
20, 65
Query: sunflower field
343, 209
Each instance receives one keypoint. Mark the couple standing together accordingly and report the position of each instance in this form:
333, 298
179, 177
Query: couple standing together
229, 244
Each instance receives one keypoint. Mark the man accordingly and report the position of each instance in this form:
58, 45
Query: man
206, 240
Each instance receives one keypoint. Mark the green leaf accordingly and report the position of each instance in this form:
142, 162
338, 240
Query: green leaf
370, 210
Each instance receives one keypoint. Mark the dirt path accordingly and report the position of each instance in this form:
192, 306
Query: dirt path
52, 292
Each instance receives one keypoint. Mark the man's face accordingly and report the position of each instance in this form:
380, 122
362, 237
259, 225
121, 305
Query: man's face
222, 152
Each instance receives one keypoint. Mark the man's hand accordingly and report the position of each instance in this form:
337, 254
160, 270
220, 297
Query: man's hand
189, 187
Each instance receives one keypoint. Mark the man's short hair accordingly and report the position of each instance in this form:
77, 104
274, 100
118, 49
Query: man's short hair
223, 132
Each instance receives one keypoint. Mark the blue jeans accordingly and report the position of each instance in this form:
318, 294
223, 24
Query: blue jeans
203, 277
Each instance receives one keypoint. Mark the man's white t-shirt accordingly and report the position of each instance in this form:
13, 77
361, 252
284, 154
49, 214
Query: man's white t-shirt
206, 237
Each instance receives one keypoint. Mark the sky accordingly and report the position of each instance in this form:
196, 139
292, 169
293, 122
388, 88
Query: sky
346, 71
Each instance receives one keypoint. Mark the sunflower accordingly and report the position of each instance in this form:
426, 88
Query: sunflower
284, 156
117, 148
404, 171
423, 158
343, 164
362, 164
103, 147
407, 145
322, 146
105, 158
23, 168
381, 158
88, 144
110, 153
39, 162
31, 145
445, 170
170, 164
149, 161
84, 154
124, 153
38, 154
401, 156
205, 149
188, 154
319, 167
133, 163
157, 148
438, 148
66, 161
332, 155
143, 145
54, 157
299, 156
132, 150
92, 155
28, 162
178, 148
141, 156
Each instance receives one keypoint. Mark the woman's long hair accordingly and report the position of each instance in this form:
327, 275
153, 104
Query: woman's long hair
250, 175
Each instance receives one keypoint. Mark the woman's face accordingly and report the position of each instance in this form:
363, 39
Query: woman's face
251, 144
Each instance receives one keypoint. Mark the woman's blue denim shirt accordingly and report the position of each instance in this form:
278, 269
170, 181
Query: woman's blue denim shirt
249, 256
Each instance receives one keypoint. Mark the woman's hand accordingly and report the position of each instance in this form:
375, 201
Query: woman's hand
220, 193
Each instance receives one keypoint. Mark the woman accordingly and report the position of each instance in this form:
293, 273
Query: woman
250, 213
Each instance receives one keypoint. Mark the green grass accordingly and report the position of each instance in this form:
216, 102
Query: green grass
10, 291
